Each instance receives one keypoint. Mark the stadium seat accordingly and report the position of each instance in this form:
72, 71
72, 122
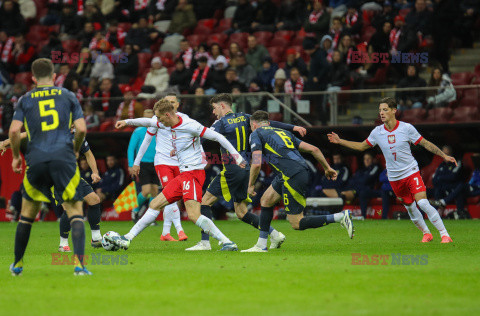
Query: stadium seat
210, 23
125, 26
278, 42
196, 39
138, 83
71, 46
477, 70
263, 35
37, 33
166, 57
24, 77
367, 33
462, 78
297, 41
275, 116
428, 171
276, 53
239, 38
380, 76
223, 25
218, 38
414, 115
124, 164
287, 35
101, 165
468, 163
106, 126
202, 29
143, 62
439, 115
149, 103
465, 114
352, 161
470, 97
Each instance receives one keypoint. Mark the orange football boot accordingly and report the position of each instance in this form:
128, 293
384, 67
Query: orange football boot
167, 237
446, 239
427, 238
182, 236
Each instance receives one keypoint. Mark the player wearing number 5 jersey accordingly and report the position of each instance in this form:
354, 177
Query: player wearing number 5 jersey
185, 139
394, 139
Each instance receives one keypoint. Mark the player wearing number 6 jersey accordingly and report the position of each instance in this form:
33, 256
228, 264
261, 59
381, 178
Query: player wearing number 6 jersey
185, 138
394, 139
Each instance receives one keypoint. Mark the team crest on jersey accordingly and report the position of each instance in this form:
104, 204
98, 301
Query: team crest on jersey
391, 139
174, 134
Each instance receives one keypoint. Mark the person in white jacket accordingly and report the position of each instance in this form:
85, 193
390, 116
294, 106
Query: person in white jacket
158, 76
446, 92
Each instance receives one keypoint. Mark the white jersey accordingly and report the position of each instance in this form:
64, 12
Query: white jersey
395, 146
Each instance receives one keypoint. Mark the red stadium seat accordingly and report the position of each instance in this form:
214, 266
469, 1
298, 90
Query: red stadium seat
439, 115
124, 164
149, 103
24, 77
101, 165
263, 36
239, 38
414, 115
223, 25
210, 23
379, 78
462, 78
470, 97
125, 26
287, 35
297, 41
468, 162
428, 171
106, 126
71, 46
278, 42
196, 39
143, 62
276, 53
202, 29
477, 70
218, 38
138, 83
166, 57
275, 116
367, 33
465, 114
37, 33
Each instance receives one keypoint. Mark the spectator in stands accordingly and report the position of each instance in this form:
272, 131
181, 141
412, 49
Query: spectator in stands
470, 11
53, 14
445, 14
198, 108
129, 108
54, 45
412, 99
420, 19
387, 15
125, 71
447, 176
186, 54
402, 38
91, 13
23, 54
141, 36
84, 67
181, 76
12, 20
115, 35
215, 53
379, 43
362, 183
255, 102
16, 93
290, 15
230, 81
279, 81
102, 67
157, 76
27, 9
336, 32
243, 17
85, 171
112, 180
72, 83
326, 47
7, 43
91, 118
182, 18
339, 75
318, 21
323, 187
295, 60
202, 76
295, 84
446, 92
266, 75
62, 75
233, 49
86, 36
347, 49
203, 50
386, 192
264, 16
70, 23
318, 68
256, 53
220, 66
7, 113
162, 10
106, 106
353, 20
245, 72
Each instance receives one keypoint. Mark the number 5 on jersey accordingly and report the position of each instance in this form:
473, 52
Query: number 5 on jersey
46, 113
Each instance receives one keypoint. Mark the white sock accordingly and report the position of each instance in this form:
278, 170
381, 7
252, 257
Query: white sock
417, 218
209, 227
63, 242
149, 217
262, 243
337, 217
433, 216
167, 219
96, 235
176, 219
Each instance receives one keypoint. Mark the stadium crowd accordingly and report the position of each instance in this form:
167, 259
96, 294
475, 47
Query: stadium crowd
116, 50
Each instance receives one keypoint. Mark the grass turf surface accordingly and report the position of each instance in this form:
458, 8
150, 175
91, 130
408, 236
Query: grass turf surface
312, 274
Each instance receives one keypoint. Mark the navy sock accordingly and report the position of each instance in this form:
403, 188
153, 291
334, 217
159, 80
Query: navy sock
64, 225
330, 219
206, 211
266, 216
251, 219
21, 238
313, 222
78, 237
94, 215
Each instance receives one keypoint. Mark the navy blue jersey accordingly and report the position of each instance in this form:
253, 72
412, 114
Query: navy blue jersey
280, 149
47, 113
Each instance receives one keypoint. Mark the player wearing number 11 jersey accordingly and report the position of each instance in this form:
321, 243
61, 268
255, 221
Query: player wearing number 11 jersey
394, 139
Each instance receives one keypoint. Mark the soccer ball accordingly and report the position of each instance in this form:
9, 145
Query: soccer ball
108, 246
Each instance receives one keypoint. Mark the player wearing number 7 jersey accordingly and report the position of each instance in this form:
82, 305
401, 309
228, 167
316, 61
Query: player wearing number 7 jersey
394, 139
185, 138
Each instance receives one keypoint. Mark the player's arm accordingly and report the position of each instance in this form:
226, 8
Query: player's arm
289, 127
142, 121
435, 150
135, 169
80, 133
317, 153
15, 140
6, 143
212, 135
92, 163
255, 166
360, 146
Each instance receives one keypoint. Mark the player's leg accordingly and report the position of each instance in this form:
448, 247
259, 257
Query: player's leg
142, 197
94, 215
74, 210
433, 216
208, 200
64, 231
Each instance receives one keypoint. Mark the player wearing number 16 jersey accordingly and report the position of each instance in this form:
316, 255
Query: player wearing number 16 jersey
394, 139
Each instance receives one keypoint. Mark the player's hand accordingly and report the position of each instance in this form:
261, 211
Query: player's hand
3, 148
251, 191
301, 130
95, 177
450, 159
120, 124
331, 174
134, 171
243, 164
17, 164
77, 154
333, 138
173, 153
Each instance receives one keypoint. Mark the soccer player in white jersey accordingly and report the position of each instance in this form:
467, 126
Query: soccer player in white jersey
185, 138
166, 167
394, 139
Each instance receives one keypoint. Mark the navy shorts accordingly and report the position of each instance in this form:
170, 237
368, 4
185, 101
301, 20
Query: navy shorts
231, 184
293, 191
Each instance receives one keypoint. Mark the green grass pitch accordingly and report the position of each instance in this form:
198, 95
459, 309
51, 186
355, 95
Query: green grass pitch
312, 274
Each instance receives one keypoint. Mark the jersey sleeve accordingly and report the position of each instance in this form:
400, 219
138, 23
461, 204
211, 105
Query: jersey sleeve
76, 108
413, 135
371, 138
19, 115
295, 140
255, 142
152, 131
85, 147
217, 126
196, 128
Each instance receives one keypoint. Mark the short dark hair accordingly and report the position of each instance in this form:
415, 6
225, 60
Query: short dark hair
259, 116
391, 102
42, 68
222, 97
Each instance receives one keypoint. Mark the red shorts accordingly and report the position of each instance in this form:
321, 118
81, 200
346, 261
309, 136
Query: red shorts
405, 189
187, 185
166, 173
